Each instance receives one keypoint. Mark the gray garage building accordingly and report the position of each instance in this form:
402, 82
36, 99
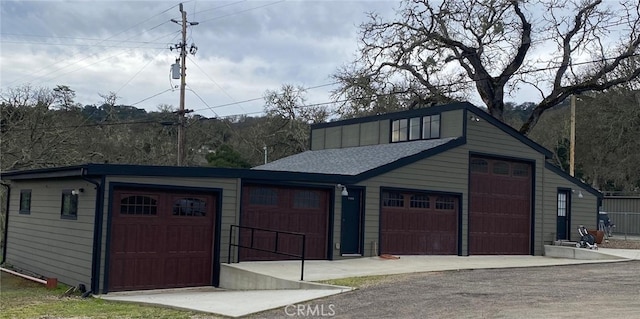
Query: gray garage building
447, 179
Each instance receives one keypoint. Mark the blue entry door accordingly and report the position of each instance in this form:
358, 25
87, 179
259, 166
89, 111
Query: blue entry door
564, 212
351, 229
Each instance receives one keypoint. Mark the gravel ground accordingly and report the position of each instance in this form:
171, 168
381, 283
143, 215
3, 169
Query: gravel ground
610, 290
615, 242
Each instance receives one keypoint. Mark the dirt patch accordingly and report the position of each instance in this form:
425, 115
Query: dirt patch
620, 243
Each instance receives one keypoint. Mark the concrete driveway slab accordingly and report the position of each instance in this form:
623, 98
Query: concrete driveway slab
224, 302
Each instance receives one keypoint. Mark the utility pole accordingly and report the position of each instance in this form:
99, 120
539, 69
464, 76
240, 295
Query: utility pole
572, 143
183, 82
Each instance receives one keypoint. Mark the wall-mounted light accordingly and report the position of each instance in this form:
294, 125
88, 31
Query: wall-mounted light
579, 193
77, 191
474, 118
344, 189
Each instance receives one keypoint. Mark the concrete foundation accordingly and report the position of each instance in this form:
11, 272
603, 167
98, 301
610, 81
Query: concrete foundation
577, 253
239, 279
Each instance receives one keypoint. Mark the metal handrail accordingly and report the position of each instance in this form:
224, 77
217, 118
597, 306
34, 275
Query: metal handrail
274, 251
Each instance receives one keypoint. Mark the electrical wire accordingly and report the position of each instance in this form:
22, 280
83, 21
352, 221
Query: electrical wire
78, 53
214, 82
242, 11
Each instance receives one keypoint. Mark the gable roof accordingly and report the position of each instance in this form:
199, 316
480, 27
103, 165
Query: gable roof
361, 159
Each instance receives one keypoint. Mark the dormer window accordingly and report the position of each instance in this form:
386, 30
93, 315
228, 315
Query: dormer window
415, 128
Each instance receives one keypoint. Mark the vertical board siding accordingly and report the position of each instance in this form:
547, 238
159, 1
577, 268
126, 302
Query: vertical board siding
44, 243
333, 137
350, 135
227, 214
384, 131
369, 133
317, 139
451, 123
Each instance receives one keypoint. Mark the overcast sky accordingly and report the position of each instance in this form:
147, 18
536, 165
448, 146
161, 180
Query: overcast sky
244, 49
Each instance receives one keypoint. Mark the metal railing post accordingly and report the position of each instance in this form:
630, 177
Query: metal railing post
304, 239
230, 242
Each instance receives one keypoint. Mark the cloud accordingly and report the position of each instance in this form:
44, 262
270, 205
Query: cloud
244, 48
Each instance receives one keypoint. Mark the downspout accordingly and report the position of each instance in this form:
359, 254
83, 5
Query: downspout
6, 222
97, 231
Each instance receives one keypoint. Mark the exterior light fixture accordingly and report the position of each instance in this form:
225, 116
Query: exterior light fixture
77, 191
344, 189
579, 193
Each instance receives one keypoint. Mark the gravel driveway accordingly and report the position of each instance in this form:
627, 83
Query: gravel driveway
610, 290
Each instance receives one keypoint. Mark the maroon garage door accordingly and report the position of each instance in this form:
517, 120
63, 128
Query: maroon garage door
500, 207
161, 240
418, 224
301, 210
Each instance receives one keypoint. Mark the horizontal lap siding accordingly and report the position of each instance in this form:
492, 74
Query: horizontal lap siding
446, 172
46, 244
228, 213
583, 210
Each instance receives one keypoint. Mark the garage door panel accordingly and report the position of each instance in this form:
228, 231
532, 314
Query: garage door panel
417, 228
300, 210
500, 207
161, 239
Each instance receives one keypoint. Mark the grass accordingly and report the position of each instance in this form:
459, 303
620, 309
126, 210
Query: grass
358, 282
21, 298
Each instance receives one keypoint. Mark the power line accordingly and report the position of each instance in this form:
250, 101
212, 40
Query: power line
242, 11
148, 98
103, 40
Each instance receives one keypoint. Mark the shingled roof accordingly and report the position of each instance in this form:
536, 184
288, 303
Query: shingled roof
352, 160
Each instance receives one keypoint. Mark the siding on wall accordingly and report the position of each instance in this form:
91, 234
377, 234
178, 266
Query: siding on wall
46, 244
483, 137
228, 216
445, 172
369, 133
376, 132
350, 135
584, 211
333, 137
317, 139
451, 123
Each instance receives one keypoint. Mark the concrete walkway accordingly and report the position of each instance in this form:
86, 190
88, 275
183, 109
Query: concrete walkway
236, 303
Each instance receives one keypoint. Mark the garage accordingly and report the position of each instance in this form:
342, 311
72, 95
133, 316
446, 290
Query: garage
279, 208
414, 223
161, 239
500, 207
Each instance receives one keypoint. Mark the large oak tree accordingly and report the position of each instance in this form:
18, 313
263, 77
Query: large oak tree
436, 51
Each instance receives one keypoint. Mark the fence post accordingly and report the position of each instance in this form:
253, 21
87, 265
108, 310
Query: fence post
626, 224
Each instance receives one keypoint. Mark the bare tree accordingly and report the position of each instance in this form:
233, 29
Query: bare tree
288, 119
33, 134
445, 49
